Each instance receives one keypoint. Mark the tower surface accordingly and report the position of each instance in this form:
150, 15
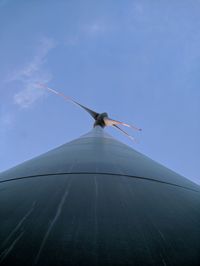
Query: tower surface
96, 201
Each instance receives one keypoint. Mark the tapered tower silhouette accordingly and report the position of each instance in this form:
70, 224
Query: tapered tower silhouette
96, 201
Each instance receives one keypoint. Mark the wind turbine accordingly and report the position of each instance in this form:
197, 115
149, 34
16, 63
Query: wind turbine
96, 201
101, 119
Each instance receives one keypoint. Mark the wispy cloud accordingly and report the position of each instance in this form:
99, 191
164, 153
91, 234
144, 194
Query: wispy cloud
32, 73
27, 96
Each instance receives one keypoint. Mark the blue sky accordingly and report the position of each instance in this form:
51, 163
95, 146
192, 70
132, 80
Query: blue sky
137, 60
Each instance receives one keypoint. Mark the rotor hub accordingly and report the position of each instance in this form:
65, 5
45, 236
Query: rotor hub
99, 120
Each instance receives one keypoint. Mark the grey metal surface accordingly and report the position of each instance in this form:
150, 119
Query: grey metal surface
95, 201
96, 152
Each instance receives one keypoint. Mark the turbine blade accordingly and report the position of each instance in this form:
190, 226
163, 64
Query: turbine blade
91, 112
132, 138
110, 122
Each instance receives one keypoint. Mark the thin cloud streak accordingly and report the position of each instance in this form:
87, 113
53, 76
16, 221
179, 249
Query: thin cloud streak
32, 73
26, 97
